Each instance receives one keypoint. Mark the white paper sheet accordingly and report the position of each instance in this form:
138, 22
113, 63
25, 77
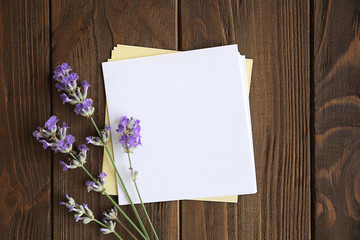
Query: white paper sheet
195, 120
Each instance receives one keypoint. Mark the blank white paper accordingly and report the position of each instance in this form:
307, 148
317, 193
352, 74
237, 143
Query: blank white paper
195, 119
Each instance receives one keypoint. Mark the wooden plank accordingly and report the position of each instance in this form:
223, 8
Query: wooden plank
83, 35
336, 107
25, 168
276, 36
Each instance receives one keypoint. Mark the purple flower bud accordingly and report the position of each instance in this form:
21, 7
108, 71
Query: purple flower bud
94, 141
83, 147
102, 175
65, 167
130, 133
90, 184
59, 87
62, 145
85, 86
51, 123
61, 71
69, 139
120, 128
69, 79
123, 140
132, 141
78, 218
65, 145
66, 82
36, 134
124, 120
84, 109
64, 98
45, 144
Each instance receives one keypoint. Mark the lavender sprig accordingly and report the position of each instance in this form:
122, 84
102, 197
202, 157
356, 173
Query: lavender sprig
80, 210
54, 136
103, 175
130, 138
84, 214
68, 85
66, 82
122, 183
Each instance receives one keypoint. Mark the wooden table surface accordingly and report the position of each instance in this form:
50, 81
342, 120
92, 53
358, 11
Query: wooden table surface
304, 98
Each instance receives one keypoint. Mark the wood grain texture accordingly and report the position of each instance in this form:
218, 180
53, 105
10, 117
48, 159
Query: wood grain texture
25, 169
276, 35
336, 107
83, 34
291, 61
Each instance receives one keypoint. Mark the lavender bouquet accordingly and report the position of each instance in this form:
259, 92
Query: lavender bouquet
56, 138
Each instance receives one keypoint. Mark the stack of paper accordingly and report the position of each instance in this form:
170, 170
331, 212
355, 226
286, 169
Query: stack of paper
196, 128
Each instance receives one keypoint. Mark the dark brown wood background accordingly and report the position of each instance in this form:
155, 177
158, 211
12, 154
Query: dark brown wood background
305, 107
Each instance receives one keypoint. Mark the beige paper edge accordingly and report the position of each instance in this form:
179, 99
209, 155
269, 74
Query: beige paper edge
122, 52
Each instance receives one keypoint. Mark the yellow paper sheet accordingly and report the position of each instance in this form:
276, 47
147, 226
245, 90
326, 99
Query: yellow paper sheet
121, 52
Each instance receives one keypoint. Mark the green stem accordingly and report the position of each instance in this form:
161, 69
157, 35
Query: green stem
100, 223
121, 181
117, 235
142, 203
128, 231
115, 204
95, 220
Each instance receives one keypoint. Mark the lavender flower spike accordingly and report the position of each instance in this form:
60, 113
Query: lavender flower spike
98, 185
54, 136
97, 141
82, 212
129, 130
112, 214
79, 161
65, 145
110, 227
94, 141
85, 108
66, 82
61, 71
